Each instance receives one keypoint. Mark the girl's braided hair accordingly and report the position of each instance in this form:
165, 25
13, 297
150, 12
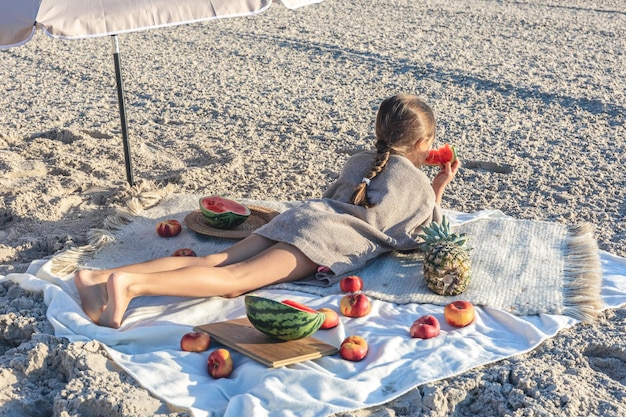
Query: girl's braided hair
401, 121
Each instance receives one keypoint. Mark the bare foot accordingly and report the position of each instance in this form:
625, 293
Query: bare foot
119, 298
92, 288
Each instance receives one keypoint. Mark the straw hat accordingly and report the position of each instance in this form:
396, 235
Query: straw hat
258, 217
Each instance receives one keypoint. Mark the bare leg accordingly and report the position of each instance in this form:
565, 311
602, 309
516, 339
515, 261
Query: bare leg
92, 285
279, 263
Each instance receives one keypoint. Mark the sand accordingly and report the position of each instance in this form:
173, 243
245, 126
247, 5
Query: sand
531, 93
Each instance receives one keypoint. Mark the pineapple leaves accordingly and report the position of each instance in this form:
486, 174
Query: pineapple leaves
440, 232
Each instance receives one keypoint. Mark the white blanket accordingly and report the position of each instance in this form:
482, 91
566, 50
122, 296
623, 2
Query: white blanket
147, 346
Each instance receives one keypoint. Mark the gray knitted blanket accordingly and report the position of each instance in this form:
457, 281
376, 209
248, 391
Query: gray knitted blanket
524, 267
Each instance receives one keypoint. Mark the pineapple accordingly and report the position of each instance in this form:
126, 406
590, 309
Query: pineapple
447, 264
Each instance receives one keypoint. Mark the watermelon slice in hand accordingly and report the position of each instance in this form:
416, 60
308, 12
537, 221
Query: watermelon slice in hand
441, 156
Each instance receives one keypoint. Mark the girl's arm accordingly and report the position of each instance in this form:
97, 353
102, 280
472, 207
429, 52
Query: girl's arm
445, 175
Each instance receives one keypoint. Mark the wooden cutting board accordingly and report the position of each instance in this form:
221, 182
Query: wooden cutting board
241, 336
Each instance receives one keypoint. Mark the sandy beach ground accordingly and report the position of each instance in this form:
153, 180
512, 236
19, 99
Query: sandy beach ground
532, 93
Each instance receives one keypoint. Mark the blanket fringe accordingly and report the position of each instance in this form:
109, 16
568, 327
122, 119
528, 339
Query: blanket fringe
143, 198
582, 275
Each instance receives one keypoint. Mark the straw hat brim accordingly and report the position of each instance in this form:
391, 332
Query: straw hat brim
258, 217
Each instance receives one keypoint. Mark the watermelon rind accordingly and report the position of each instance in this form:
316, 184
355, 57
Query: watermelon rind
279, 320
226, 218
454, 156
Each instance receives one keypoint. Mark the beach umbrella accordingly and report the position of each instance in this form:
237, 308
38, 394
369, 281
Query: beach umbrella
77, 19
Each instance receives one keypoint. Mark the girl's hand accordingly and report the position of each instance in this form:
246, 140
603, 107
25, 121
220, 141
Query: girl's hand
445, 175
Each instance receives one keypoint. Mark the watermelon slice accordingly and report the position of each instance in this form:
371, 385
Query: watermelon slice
441, 156
223, 213
299, 306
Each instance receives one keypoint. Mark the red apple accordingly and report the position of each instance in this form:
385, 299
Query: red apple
353, 348
195, 342
184, 252
425, 327
351, 283
168, 228
355, 305
220, 363
331, 320
459, 313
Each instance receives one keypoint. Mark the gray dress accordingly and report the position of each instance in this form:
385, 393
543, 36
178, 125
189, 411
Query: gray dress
344, 237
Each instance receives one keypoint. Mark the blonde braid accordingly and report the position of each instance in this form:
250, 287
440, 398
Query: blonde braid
383, 152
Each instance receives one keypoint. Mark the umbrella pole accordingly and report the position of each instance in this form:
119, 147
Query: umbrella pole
122, 107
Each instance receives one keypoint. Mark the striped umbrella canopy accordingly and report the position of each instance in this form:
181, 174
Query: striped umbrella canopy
78, 19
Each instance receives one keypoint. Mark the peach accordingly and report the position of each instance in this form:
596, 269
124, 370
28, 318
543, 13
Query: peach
425, 327
355, 305
168, 228
353, 348
184, 252
195, 342
220, 363
459, 313
351, 283
331, 320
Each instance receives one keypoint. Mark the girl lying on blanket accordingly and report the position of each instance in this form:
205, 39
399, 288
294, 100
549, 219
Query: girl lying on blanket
377, 205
